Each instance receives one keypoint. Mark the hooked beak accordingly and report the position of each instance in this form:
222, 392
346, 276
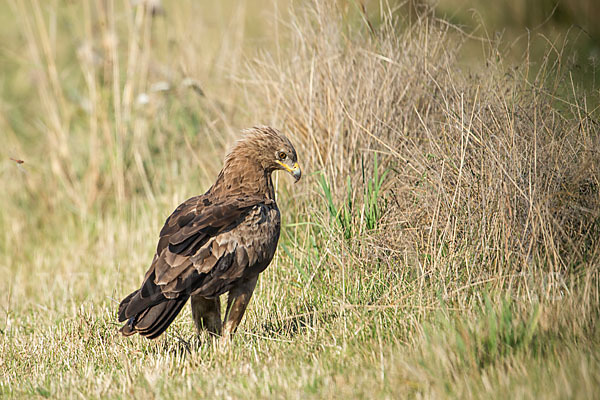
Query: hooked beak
294, 169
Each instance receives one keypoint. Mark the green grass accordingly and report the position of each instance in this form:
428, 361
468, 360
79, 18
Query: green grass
443, 242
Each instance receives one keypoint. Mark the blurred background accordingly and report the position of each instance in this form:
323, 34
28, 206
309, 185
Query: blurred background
532, 27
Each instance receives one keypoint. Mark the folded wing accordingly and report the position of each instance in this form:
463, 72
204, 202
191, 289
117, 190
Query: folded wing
205, 246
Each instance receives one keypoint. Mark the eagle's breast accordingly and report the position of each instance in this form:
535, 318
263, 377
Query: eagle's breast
263, 229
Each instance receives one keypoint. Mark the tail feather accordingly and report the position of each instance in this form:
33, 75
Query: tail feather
135, 304
123, 306
149, 316
162, 324
142, 299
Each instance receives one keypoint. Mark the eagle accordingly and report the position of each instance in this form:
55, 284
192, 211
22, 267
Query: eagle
216, 243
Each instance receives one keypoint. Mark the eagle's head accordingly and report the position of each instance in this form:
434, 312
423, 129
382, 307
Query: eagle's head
267, 148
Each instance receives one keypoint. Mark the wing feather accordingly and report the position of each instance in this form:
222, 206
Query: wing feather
198, 238
206, 245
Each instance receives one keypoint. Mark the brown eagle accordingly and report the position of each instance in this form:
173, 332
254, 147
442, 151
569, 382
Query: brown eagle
216, 243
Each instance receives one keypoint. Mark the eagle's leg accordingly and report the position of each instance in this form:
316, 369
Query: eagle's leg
237, 301
207, 314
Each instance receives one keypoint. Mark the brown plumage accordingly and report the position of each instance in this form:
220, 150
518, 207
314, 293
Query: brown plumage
215, 243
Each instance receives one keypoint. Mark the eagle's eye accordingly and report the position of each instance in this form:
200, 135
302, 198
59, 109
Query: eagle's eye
282, 156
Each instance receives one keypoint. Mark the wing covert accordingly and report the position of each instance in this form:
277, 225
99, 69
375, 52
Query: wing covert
188, 247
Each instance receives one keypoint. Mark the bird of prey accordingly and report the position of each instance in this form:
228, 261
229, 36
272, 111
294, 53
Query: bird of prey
215, 243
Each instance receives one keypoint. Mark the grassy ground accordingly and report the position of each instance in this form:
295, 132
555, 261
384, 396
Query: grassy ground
444, 241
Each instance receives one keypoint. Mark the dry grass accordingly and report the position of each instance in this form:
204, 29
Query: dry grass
443, 243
